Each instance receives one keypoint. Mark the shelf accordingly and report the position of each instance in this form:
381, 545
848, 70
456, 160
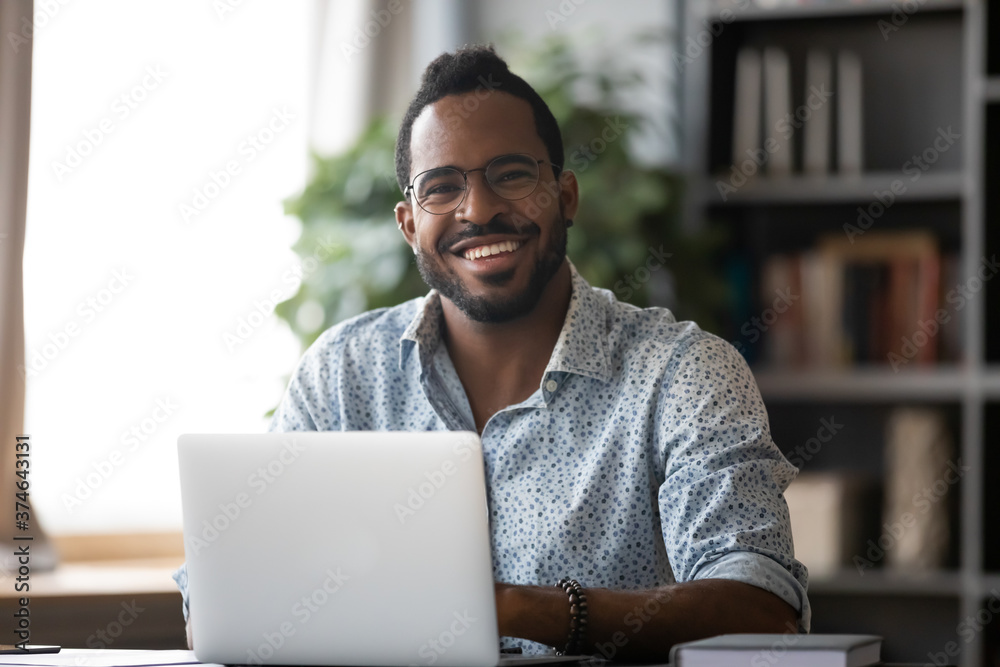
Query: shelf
948, 383
991, 383
991, 89
864, 384
991, 582
833, 189
882, 582
824, 10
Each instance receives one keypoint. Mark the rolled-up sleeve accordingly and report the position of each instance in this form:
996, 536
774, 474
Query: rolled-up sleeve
722, 508
181, 577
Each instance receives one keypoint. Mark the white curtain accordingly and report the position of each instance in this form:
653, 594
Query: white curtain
368, 57
361, 68
15, 123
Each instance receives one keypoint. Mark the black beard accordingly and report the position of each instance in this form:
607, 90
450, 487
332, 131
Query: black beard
504, 309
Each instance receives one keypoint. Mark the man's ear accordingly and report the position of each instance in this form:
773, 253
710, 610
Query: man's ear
569, 193
405, 222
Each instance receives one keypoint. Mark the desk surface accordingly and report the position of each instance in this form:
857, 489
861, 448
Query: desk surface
71, 657
105, 577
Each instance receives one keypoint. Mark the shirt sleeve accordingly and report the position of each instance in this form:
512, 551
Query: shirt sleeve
310, 402
181, 577
722, 508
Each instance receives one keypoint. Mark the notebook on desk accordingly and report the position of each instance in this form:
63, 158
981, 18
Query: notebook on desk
339, 548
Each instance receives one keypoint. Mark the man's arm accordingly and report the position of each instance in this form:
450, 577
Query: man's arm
724, 522
643, 625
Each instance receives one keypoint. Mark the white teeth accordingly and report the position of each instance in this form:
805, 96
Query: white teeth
494, 249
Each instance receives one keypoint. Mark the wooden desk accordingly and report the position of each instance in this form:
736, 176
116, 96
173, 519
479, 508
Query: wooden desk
105, 604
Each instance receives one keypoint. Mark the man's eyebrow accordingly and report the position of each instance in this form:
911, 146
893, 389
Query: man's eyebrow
440, 168
510, 157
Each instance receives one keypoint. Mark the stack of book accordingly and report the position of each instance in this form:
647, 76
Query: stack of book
825, 125
845, 521
881, 298
832, 515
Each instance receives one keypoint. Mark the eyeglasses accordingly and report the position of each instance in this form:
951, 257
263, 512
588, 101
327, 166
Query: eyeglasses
442, 190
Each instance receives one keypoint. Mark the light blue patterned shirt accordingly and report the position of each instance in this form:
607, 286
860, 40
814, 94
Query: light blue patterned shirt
644, 457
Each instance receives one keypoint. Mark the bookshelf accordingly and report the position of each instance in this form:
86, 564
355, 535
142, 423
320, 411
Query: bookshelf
939, 69
800, 189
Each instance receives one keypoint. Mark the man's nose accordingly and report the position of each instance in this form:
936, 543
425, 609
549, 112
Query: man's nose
481, 203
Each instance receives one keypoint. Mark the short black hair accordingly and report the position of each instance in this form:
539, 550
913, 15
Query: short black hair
463, 71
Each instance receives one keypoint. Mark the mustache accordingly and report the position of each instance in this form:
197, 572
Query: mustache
515, 226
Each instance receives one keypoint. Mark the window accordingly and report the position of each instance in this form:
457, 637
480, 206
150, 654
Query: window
164, 138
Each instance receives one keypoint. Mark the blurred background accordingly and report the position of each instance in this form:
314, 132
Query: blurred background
210, 186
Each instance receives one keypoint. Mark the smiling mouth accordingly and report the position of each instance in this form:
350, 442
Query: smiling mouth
480, 252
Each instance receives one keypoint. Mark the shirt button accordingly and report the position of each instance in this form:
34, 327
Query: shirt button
551, 386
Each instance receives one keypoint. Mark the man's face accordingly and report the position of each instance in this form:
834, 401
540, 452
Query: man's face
467, 132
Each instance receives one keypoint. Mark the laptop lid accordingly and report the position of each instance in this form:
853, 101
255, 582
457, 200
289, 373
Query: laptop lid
326, 548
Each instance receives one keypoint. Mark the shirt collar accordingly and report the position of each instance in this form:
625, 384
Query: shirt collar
582, 346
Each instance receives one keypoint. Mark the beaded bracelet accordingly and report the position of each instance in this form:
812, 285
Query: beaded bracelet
577, 616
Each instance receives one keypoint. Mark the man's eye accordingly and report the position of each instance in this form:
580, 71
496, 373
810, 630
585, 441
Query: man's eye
440, 189
513, 176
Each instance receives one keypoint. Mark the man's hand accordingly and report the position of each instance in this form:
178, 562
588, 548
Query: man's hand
187, 630
643, 625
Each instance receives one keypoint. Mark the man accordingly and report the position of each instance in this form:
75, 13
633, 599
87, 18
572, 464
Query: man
622, 449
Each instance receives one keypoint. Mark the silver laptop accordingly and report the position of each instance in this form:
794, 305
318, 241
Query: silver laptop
339, 548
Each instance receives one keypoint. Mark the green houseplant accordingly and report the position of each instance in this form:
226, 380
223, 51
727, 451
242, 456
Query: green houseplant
628, 220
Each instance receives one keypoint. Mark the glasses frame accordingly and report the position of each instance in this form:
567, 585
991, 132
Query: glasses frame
465, 177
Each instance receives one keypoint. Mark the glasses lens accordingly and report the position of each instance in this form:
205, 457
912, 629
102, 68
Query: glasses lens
439, 190
513, 176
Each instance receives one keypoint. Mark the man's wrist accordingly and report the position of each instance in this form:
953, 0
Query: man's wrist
537, 613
